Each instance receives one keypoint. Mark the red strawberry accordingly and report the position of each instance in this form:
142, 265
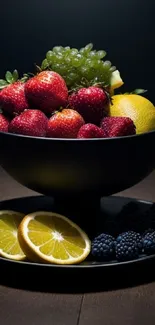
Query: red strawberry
91, 103
64, 124
4, 123
118, 126
90, 131
12, 98
31, 122
46, 91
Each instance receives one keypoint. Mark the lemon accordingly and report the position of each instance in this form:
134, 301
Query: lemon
137, 107
9, 245
52, 238
116, 80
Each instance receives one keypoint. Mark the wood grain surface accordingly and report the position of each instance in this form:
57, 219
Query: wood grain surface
129, 306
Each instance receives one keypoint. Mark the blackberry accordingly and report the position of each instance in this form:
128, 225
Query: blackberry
128, 246
103, 247
149, 242
148, 231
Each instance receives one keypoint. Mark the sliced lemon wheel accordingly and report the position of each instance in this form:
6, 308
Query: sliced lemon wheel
9, 245
52, 238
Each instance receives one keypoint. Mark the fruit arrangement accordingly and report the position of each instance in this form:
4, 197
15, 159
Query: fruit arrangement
72, 95
48, 237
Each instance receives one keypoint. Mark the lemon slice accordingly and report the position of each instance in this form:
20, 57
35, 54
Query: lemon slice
52, 238
116, 80
9, 245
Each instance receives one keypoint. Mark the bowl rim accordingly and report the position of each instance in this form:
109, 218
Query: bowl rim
76, 139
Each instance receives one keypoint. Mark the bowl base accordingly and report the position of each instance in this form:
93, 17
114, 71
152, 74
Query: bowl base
104, 275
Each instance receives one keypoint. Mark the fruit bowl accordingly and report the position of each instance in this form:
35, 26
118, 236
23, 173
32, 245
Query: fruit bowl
66, 135
78, 172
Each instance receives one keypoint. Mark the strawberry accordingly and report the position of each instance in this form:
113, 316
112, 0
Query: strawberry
46, 91
4, 123
31, 122
64, 124
12, 98
90, 131
118, 126
91, 103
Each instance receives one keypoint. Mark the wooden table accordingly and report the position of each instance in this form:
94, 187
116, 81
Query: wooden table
129, 306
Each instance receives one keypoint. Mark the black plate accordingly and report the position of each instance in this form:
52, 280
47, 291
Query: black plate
73, 277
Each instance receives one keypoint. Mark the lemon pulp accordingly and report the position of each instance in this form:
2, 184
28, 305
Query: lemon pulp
9, 245
53, 238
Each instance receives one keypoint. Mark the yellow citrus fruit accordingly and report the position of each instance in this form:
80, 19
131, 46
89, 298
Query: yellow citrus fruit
52, 238
9, 245
116, 80
137, 107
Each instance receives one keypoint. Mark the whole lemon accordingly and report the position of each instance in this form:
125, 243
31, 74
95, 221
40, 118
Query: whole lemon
137, 107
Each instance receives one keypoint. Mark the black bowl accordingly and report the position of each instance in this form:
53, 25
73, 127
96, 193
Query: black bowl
60, 167
77, 172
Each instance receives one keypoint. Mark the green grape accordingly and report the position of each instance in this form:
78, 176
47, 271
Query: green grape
57, 49
77, 65
107, 64
107, 76
82, 51
53, 58
83, 70
44, 64
55, 67
88, 47
59, 59
91, 74
92, 64
101, 54
67, 60
72, 76
76, 62
113, 68
92, 54
73, 52
98, 64
80, 58
49, 55
88, 62
67, 48
62, 69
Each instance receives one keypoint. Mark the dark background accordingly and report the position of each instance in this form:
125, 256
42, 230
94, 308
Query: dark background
124, 28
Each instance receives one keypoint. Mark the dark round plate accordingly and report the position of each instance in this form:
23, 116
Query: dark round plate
89, 274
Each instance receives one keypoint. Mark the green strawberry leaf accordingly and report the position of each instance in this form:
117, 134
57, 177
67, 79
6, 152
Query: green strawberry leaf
15, 75
37, 68
3, 83
139, 91
26, 76
9, 77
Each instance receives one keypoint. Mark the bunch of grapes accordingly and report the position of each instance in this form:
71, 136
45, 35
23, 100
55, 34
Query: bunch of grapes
79, 67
